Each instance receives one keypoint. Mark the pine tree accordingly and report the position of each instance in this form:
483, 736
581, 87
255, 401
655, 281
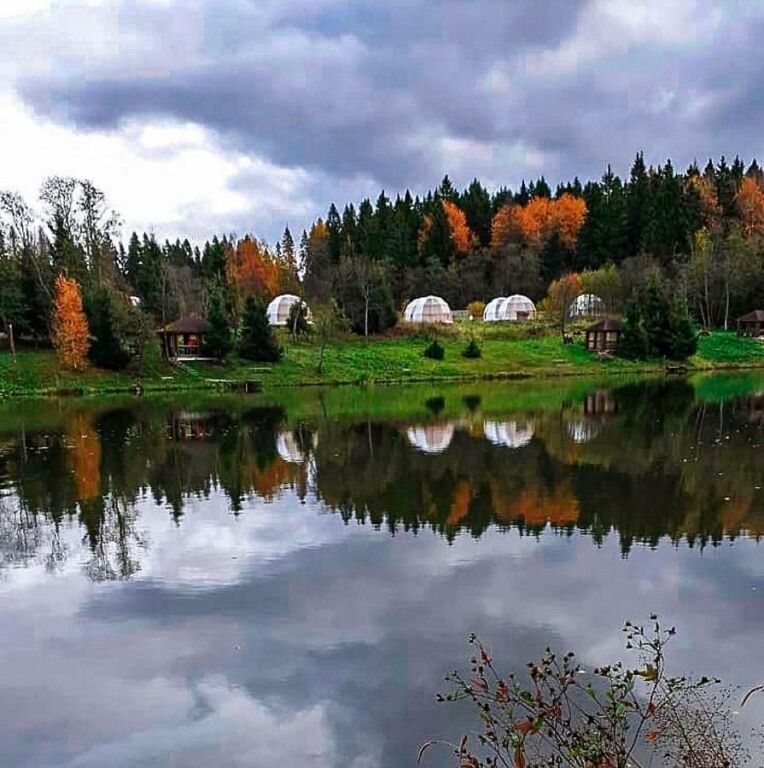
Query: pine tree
217, 340
106, 350
257, 340
633, 343
638, 201
682, 339
476, 204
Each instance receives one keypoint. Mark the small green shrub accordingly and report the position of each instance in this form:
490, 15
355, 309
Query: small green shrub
435, 350
472, 350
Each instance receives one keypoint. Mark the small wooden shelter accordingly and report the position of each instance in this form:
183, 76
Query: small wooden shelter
603, 336
751, 324
184, 339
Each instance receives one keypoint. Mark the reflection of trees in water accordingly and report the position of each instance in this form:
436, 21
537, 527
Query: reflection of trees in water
659, 464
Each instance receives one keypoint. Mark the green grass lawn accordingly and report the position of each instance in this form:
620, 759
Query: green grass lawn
393, 359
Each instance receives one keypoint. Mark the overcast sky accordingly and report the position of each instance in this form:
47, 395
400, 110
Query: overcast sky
205, 116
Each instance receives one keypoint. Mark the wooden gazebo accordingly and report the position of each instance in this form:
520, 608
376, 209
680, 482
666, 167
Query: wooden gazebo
184, 339
751, 324
603, 336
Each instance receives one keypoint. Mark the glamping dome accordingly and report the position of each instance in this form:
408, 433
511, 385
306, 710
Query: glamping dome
433, 438
278, 310
513, 308
586, 305
491, 311
428, 309
508, 433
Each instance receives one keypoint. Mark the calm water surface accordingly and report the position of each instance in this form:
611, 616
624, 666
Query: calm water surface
284, 581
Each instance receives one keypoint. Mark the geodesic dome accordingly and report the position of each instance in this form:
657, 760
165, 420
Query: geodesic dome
491, 311
586, 305
278, 310
428, 309
432, 438
510, 434
509, 308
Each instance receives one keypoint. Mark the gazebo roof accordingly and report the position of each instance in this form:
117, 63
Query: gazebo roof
606, 324
757, 316
188, 324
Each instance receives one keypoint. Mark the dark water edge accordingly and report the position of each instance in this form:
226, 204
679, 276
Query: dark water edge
285, 578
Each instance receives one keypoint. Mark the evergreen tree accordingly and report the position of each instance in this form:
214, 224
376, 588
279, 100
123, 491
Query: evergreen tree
682, 340
257, 342
217, 340
476, 204
106, 348
633, 343
638, 202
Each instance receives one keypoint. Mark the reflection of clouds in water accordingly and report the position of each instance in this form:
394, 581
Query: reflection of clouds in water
335, 655
220, 733
431, 438
509, 434
582, 431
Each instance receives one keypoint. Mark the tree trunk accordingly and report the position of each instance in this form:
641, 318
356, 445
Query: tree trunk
366, 316
11, 341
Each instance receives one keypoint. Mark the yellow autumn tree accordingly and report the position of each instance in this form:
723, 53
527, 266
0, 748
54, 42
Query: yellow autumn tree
69, 326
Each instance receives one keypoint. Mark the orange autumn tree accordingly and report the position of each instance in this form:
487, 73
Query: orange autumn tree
461, 234
750, 205
252, 271
535, 223
569, 213
69, 326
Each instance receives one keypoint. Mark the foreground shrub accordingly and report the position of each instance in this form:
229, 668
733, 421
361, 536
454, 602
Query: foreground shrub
475, 309
610, 717
472, 350
435, 350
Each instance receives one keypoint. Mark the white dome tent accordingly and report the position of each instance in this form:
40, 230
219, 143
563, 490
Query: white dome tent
431, 439
515, 308
586, 305
428, 309
509, 434
491, 311
278, 310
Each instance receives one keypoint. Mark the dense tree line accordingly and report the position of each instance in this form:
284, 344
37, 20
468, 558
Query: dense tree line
695, 234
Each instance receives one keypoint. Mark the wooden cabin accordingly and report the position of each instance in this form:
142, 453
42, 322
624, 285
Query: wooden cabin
751, 324
184, 339
603, 336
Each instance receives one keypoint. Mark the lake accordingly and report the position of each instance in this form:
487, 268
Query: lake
284, 579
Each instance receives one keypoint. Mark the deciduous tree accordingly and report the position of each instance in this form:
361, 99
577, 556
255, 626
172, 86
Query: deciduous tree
69, 325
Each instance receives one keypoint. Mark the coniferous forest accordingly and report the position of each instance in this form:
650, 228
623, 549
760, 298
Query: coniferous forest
690, 240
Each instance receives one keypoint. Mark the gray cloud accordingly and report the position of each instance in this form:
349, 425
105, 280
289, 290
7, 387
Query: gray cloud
397, 94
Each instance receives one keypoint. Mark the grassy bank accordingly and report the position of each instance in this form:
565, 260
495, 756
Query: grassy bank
382, 360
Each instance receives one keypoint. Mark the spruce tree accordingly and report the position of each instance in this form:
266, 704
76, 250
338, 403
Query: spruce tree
217, 340
682, 339
633, 343
106, 348
258, 342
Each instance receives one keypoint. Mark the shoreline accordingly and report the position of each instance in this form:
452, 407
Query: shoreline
139, 387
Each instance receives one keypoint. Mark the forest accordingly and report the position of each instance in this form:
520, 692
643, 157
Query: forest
690, 241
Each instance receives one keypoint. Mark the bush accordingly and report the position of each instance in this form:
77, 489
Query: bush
472, 350
476, 309
435, 350
564, 714
633, 343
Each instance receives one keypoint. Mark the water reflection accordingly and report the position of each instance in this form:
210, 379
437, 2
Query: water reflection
178, 585
644, 461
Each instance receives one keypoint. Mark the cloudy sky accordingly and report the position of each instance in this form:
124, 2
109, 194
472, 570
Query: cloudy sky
204, 116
